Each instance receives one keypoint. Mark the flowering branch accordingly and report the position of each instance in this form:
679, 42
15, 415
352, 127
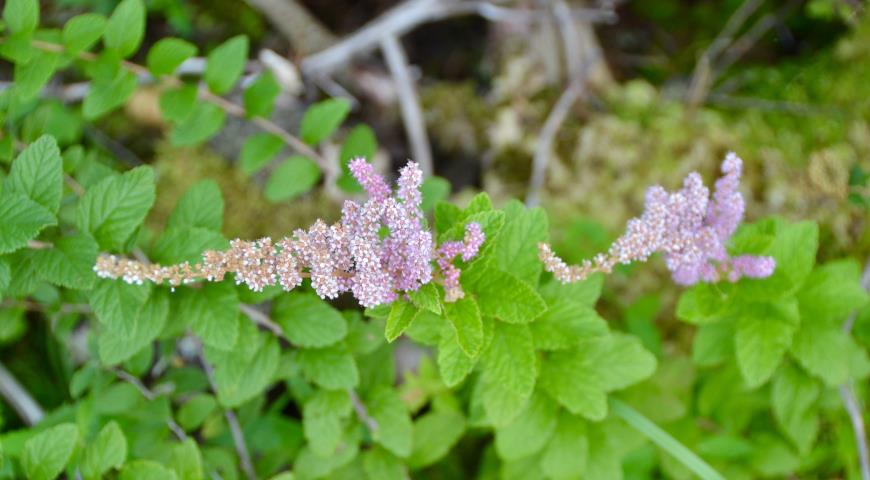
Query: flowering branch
347, 256
687, 226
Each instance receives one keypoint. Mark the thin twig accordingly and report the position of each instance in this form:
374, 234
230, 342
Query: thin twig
362, 412
751, 37
305, 33
407, 16
150, 396
235, 429
850, 401
262, 319
412, 114
39, 245
19, 399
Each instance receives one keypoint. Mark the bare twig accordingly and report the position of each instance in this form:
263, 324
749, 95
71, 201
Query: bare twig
408, 15
751, 37
850, 401
296, 23
235, 429
412, 114
702, 77
262, 319
18, 398
150, 396
362, 412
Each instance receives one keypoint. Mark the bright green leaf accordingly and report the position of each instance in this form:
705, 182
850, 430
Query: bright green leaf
225, 64
112, 210
47, 453
259, 97
201, 206
213, 313
464, 316
764, 333
126, 28
322, 119
21, 219
37, 173
293, 177
259, 149
107, 451
400, 318
168, 54
308, 321
332, 368
108, 94
510, 370
204, 121
82, 31
529, 432
21, 15
394, 430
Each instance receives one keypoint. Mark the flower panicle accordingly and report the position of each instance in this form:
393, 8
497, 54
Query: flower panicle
348, 256
689, 227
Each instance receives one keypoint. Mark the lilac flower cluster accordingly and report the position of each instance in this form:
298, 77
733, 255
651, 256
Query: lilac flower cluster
350, 255
687, 226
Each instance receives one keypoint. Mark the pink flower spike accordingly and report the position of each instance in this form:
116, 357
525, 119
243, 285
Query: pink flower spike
373, 183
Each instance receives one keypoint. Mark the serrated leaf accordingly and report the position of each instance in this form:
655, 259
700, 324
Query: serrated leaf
213, 313
516, 248
82, 31
401, 315
293, 177
5, 275
427, 297
832, 291
509, 372
258, 151
435, 433
529, 431
108, 94
394, 430
37, 173
195, 411
168, 54
113, 209
380, 464
32, 76
47, 453
464, 316
241, 375
135, 333
186, 244
322, 119
567, 451
225, 64
126, 28
107, 451
187, 461
21, 15
201, 206
453, 363
764, 333
259, 97
332, 368
146, 470
322, 420
203, 122
565, 324
115, 303
308, 321
21, 219
506, 297
793, 399
69, 263
823, 349
177, 104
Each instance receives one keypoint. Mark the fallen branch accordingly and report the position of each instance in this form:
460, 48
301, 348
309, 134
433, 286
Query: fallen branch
19, 399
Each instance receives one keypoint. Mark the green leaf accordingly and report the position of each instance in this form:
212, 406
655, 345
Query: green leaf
453, 363
529, 432
107, 451
195, 411
516, 247
115, 303
146, 470
308, 321
187, 461
21, 15
713, 344
70, 263
509, 372
427, 297
258, 151
82, 31
107, 94
225, 64
568, 449
177, 104
394, 430
793, 398
113, 209
400, 318
21, 219
259, 97
203, 122
832, 291
213, 313
464, 316
764, 333
792, 245
168, 54
565, 324
823, 349
47, 453
506, 297
701, 304
242, 374
435, 433
126, 28
5, 276
434, 190
332, 368
32, 76
37, 173
322, 119
322, 419
201, 206
186, 244
379, 464
359, 143
293, 177
135, 333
